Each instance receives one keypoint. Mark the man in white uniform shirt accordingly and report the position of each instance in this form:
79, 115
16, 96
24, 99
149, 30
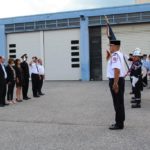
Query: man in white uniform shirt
116, 73
41, 73
35, 77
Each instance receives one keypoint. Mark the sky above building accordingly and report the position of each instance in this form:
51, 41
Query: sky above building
12, 8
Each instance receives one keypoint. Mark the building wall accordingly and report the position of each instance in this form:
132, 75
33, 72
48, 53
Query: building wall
55, 48
131, 36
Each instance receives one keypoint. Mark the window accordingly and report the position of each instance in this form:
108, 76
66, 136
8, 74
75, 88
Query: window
75, 55
75, 65
75, 59
74, 47
75, 42
12, 51
12, 45
12, 56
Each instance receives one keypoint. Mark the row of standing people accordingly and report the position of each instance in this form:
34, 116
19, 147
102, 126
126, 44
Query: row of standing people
17, 73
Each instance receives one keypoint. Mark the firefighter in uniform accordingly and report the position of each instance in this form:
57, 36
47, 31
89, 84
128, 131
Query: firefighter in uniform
26, 76
136, 70
116, 73
35, 77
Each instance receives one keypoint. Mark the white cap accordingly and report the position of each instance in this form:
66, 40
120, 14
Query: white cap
137, 52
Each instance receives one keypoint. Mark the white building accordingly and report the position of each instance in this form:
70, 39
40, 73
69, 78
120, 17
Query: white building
73, 44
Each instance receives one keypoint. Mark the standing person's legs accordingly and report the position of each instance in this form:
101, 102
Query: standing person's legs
10, 91
1, 94
35, 82
118, 101
25, 87
137, 101
120, 110
4, 93
40, 85
18, 94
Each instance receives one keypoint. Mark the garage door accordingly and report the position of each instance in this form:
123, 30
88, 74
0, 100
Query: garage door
62, 54
20, 43
131, 36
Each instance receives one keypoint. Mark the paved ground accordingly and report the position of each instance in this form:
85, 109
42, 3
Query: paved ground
74, 116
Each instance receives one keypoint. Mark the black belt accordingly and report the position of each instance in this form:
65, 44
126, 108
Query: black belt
113, 78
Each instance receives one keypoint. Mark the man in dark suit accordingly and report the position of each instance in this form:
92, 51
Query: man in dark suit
3, 76
26, 76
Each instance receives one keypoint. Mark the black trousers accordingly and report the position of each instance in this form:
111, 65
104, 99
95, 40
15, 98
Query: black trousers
145, 81
35, 83
118, 100
40, 84
137, 90
25, 87
10, 90
2, 92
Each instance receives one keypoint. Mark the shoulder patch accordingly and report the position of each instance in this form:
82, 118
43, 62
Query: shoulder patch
114, 59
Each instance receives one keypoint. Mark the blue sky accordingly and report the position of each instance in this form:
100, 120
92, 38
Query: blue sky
11, 8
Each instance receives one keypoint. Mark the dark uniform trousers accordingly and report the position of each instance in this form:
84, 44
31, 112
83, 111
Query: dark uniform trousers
35, 83
118, 100
137, 89
40, 84
25, 87
2, 92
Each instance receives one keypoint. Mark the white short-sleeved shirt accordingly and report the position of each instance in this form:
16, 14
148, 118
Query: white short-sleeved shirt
116, 61
34, 68
41, 69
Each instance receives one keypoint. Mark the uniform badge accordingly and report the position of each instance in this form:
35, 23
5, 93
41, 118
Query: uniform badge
114, 59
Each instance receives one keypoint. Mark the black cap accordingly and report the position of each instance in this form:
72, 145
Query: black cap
24, 55
115, 42
34, 57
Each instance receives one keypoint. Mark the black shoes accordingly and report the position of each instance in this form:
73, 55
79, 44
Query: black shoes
133, 98
131, 93
137, 105
41, 93
133, 101
26, 98
136, 102
116, 127
36, 96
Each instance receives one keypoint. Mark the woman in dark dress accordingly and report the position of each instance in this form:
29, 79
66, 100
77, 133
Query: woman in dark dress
18, 80
11, 78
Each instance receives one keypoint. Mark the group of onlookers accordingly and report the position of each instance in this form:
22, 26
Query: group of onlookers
16, 74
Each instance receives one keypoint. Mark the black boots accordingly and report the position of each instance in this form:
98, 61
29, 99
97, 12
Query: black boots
116, 127
136, 105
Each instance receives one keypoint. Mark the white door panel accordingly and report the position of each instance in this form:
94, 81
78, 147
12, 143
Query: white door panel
58, 55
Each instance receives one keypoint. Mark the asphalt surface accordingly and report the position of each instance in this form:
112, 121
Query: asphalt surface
74, 115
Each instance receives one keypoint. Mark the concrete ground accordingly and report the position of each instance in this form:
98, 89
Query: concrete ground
74, 116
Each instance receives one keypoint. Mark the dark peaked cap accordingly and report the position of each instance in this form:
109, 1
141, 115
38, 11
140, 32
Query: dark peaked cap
115, 42
24, 55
